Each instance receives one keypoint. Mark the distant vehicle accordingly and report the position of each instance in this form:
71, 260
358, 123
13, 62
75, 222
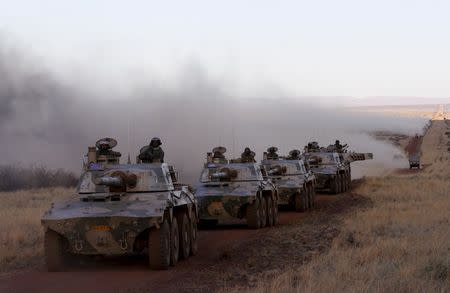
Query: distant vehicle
232, 192
414, 161
122, 209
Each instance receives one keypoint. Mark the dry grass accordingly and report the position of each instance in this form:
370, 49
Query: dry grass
402, 244
21, 234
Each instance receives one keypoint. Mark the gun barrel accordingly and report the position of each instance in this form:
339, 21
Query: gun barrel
220, 175
110, 181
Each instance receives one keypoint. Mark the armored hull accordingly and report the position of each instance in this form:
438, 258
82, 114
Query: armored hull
294, 183
333, 170
124, 209
236, 193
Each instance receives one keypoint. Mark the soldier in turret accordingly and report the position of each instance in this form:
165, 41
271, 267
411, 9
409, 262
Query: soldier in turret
339, 147
104, 150
152, 153
294, 155
272, 153
248, 156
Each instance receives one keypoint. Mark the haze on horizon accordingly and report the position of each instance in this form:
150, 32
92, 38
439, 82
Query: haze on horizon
345, 50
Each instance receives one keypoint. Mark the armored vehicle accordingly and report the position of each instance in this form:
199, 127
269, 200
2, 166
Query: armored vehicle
414, 161
233, 192
122, 209
331, 165
295, 184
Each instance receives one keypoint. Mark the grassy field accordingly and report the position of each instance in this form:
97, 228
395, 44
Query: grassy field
21, 234
402, 244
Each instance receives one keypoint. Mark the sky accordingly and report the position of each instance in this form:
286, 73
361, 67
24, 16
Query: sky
341, 49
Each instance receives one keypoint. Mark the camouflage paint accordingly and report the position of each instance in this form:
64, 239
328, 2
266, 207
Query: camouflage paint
97, 221
226, 201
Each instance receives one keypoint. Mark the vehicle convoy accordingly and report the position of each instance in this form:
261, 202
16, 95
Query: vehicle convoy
331, 165
295, 183
235, 192
122, 209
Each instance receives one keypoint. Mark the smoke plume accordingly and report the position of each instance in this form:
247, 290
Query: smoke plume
45, 120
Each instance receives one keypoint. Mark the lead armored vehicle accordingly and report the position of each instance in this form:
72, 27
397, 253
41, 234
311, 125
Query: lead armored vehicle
295, 184
233, 192
331, 165
122, 209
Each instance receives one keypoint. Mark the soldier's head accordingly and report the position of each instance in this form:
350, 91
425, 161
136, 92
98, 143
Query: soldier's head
337, 142
294, 154
247, 151
272, 150
155, 142
106, 143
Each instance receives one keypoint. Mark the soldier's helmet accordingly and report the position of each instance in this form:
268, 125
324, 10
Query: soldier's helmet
220, 150
106, 143
247, 150
294, 154
155, 142
272, 150
337, 142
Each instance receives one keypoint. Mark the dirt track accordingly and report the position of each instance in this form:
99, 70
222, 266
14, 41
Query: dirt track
228, 257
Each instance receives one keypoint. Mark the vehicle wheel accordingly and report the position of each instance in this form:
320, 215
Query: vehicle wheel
300, 201
343, 183
313, 196
174, 242
263, 212
269, 211
159, 247
275, 212
306, 198
334, 186
253, 215
184, 236
338, 184
54, 251
349, 180
310, 197
194, 235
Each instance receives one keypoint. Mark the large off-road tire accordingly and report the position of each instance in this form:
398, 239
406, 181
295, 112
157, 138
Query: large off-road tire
185, 235
174, 242
275, 211
54, 251
300, 200
194, 235
310, 197
343, 183
254, 215
263, 212
349, 178
335, 185
159, 247
270, 206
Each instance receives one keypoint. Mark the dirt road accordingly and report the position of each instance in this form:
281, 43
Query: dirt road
228, 257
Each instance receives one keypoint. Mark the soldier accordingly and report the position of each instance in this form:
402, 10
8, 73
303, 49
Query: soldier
294, 155
152, 153
248, 156
272, 153
338, 147
104, 148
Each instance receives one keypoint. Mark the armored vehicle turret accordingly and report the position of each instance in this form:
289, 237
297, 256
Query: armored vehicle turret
331, 165
295, 184
233, 192
122, 209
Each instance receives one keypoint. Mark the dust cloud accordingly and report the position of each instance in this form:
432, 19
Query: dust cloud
46, 120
